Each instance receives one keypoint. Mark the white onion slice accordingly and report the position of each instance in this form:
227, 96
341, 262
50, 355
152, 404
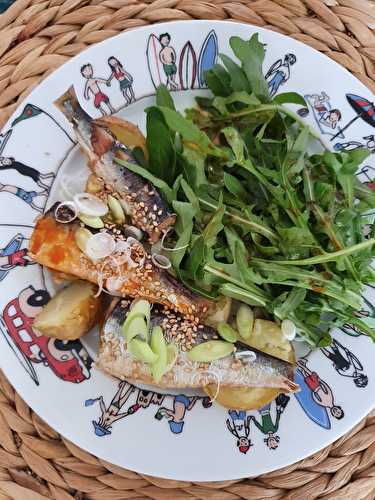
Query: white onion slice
288, 329
70, 205
70, 185
122, 246
161, 261
100, 245
169, 249
88, 204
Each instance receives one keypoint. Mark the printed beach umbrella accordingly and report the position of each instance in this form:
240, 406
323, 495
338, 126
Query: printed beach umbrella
364, 109
30, 110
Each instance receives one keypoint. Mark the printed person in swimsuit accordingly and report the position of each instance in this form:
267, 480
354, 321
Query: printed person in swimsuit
8, 163
101, 100
29, 197
167, 56
267, 426
320, 390
239, 426
350, 145
345, 363
124, 78
327, 117
279, 73
18, 258
111, 414
181, 404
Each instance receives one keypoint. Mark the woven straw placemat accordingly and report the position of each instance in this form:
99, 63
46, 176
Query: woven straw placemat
37, 36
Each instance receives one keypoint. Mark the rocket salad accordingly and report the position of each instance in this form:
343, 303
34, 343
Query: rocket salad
261, 217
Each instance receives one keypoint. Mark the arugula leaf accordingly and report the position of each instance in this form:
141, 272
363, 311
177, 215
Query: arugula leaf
238, 79
290, 98
218, 80
189, 132
162, 186
160, 146
215, 225
164, 98
235, 187
251, 54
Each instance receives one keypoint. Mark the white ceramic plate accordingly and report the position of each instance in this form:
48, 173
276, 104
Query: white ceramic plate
118, 422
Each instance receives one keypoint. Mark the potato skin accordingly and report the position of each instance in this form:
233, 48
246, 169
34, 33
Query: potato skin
79, 316
242, 398
267, 338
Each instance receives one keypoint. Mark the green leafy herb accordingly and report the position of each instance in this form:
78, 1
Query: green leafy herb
259, 218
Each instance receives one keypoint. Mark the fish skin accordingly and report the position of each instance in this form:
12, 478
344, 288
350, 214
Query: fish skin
53, 245
147, 209
264, 371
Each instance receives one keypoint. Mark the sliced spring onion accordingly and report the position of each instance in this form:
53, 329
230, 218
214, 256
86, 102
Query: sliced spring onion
142, 307
288, 329
159, 347
247, 356
100, 245
89, 204
172, 353
142, 351
135, 326
161, 261
89, 220
82, 236
245, 321
116, 209
210, 351
133, 232
66, 212
226, 332
126, 207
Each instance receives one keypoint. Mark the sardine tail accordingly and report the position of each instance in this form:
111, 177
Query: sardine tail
69, 105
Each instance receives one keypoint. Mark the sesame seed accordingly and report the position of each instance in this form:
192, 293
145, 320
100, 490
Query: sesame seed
160, 212
155, 208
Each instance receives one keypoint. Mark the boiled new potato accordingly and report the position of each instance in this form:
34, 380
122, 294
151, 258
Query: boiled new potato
267, 337
71, 313
125, 132
219, 312
242, 398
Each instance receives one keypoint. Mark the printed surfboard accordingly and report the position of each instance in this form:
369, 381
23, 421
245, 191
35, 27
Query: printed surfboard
207, 56
155, 67
315, 412
187, 68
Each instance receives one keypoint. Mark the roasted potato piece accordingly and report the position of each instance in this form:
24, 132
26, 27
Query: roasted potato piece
219, 312
267, 337
242, 398
71, 313
125, 132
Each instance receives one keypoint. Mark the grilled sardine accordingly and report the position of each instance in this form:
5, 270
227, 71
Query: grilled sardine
236, 370
53, 245
146, 208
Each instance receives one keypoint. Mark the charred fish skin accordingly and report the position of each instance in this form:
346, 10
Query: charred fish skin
147, 210
259, 371
53, 245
